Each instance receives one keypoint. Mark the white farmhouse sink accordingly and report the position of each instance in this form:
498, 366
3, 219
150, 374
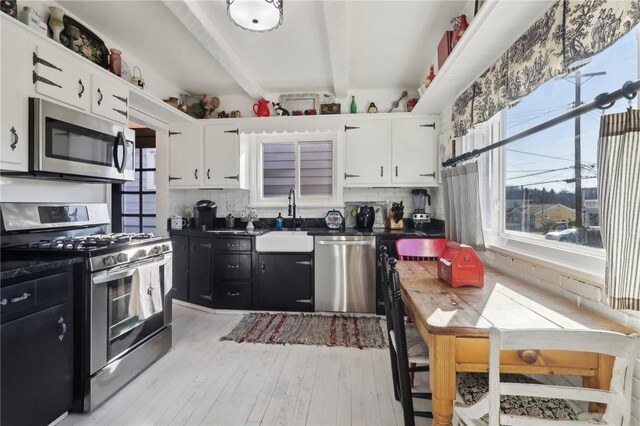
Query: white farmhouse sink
284, 241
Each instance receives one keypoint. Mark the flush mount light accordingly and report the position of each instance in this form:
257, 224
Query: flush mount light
255, 15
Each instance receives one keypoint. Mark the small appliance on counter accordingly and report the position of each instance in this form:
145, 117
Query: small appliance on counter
395, 216
205, 214
365, 217
459, 265
420, 198
229, 221
334, 219
351, 210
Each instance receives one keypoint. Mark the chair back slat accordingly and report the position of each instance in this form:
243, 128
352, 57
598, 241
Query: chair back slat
383, 270
420, 248
618, 398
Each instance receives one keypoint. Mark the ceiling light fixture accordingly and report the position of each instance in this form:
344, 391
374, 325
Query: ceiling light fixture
255, 15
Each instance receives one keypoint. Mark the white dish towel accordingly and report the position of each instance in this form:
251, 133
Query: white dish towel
146, 292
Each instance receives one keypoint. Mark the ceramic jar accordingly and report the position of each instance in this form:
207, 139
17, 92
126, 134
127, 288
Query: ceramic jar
55, 22
115, 62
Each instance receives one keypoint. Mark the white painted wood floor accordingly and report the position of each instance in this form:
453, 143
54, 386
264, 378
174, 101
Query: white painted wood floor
205, 381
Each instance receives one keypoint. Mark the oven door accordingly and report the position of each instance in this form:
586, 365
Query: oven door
118, 322
69, 142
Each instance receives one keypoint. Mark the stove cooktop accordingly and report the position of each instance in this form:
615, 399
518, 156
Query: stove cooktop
92, 243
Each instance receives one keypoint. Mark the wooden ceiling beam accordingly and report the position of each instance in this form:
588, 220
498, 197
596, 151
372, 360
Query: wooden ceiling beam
335, 18
196, 20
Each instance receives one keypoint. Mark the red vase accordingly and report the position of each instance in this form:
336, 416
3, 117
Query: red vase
115, 62
460, 29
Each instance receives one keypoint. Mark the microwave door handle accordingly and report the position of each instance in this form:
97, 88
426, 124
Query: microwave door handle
120, 139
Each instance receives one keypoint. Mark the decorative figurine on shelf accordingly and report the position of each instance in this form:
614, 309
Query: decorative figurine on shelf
223, 114
460, 24
261, 108
279, 110
115, 60
209, 105
236, 114
296, 112
10, 7
372, 108
56, 23
429, 79
353, 107
137, 80
411, 103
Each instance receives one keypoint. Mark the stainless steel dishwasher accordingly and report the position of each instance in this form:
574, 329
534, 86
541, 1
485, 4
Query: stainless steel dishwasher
345, 274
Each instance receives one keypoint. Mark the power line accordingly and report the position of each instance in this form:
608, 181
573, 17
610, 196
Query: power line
572, 180
546, 156
540, 173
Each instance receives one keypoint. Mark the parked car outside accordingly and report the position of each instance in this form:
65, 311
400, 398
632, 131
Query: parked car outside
566, 235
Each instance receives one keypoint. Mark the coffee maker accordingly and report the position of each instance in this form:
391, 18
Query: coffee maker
205, 214
420, 198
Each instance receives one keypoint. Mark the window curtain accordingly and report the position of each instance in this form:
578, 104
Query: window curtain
619, 202
571, 30
462, 205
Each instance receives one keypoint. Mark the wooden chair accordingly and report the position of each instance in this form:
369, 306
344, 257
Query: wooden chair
420, 248
398, 340
534, 403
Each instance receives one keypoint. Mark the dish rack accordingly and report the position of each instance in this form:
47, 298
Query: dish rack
379, 207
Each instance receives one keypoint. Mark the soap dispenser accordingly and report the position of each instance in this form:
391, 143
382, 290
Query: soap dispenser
279, 221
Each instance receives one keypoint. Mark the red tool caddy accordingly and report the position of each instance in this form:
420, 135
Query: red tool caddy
459, 265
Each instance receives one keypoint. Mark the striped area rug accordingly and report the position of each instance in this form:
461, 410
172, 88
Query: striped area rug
306, 329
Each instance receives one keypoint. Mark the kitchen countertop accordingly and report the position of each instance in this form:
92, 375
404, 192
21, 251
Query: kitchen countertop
220, 232
15, 267
377, 232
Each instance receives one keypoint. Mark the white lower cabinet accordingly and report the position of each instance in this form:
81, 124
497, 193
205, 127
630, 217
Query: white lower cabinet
391, 152
59, 75
109, 99
15, 73
221, 157
185, 157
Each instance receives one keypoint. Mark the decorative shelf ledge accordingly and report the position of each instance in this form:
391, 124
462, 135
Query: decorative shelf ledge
497, 26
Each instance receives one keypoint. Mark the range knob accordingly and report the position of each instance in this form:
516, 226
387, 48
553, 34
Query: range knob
139, 254
166, 247
155, 250
109, 261
122, 257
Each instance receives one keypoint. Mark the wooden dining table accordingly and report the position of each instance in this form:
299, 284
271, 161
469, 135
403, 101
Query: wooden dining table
455, 323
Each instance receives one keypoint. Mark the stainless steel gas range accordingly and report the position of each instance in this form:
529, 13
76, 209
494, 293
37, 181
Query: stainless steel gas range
122, 295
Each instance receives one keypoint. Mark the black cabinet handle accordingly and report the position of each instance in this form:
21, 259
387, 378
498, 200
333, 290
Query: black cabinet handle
119, 111
236, 177
174, 178
101, 96
236, 131
350, 128
195, 173
263, 266
81, 92
22, 298
304, 262
206, 296
347, 175
233, 294
233, 266
396, 171
41, 79
232, 245
432, 125
174, 133
14, 134
120, 98
38, 60
381, 171
304, 301
209, 174
4, 302
62, 328
433, 175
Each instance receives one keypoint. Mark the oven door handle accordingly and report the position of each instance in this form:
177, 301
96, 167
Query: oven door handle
128, 270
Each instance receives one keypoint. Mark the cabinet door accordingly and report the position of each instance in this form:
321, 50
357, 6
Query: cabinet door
37, 367
368, 149
185, 157
15, 72
109, 99
200, 280
60, 75
284, 282
221, 157
414, 144
233, 266
180, 288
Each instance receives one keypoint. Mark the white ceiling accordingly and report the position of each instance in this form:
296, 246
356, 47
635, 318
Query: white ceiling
362, 45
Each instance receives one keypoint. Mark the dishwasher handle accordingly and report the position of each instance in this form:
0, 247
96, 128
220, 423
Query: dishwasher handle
345, 243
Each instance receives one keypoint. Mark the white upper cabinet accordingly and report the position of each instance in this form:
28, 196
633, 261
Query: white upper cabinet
221, 157
390, 152
367, 152
109, 98
15, 72
413, 151
59, 75
185, 157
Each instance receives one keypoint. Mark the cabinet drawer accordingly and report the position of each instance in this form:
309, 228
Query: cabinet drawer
233, 266
232, 295
18, 298
474, 352
233, 244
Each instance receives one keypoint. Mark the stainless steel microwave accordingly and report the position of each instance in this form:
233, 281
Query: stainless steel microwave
68, 144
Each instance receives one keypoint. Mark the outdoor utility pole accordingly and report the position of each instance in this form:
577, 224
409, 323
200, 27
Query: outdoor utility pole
578, 76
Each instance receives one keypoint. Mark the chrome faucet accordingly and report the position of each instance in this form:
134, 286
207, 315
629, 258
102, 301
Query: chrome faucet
292, 207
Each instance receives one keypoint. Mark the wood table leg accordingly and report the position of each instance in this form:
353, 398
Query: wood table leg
442, 377
601, 381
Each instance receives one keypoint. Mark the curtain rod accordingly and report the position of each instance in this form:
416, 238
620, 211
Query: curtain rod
602, 101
